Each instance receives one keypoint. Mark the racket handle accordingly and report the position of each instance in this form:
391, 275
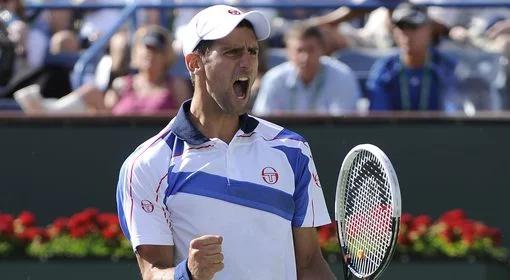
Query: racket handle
346, 260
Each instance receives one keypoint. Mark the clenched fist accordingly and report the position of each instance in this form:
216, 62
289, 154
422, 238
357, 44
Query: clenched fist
205, 257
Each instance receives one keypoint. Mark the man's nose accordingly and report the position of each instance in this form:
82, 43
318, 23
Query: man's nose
246, 60
303, 57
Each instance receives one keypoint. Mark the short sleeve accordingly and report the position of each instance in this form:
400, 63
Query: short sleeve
143, 217
311, 210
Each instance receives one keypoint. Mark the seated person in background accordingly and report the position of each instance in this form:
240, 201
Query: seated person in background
52, 78
309, 82
418, 77
150, 90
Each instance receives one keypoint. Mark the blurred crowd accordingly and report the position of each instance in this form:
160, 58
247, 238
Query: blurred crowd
327, 62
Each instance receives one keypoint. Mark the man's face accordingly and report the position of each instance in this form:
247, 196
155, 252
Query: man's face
230, 70
151, 58
412, 39
305, 54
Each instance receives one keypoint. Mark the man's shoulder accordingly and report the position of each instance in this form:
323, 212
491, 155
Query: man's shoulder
388, 61
278, 134
385, 68
335, 65
155, 149
280, 71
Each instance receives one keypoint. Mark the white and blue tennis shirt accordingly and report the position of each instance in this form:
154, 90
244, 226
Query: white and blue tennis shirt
180, 185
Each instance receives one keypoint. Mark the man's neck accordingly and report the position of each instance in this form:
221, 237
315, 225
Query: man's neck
308, 78
211, 121
153, 76
415, 61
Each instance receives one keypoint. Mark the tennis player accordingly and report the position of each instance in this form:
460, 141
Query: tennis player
219, 194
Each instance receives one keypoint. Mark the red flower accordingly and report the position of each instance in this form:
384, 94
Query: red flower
403, 239
78, 232
58, 226
29, 234
447, 234
406, 219
495, 235
107, 219
421, 222
453, 216
26, 219
60, 223
110, 232
90, 214
86, 219
326, 232
6, 224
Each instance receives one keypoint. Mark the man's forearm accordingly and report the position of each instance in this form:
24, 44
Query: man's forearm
318, 269
155, 273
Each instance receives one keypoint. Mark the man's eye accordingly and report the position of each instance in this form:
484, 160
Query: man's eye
232, 52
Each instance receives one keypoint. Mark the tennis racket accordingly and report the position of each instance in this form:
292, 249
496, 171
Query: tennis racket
367, 211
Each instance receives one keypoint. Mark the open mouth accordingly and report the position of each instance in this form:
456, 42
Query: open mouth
241, 87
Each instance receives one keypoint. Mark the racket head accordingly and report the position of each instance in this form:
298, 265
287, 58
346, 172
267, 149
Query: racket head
367, 211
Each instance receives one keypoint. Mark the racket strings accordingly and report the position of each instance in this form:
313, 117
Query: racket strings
368, 214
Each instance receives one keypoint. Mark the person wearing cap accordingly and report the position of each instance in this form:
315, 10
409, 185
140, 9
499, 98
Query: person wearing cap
418, 77
219, 194
309, 82
151, 89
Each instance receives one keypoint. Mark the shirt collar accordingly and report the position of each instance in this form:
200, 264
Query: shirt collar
293, 80
184, 128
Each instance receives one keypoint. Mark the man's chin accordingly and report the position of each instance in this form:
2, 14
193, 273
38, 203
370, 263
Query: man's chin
237, 109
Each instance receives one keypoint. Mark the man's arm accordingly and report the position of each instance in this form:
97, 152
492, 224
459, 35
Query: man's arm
204, 260
310, 263
156, 261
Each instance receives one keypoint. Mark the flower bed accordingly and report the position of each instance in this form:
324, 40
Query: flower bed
92, 234
87, 234
452, 235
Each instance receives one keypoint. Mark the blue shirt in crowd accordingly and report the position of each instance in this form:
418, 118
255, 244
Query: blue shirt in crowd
392, 86
334, 90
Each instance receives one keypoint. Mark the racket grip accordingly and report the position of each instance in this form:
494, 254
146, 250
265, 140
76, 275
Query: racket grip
346, 260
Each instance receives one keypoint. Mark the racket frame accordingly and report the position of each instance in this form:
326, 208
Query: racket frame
395, 201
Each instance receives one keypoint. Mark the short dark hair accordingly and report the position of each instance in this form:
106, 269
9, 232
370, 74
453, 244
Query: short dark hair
302, 31
204, 45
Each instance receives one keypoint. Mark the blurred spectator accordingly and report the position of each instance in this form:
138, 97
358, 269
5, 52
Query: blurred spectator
486, 29
13, 6
53, 78
150, 90
12, 19
38, 37
7, 55
114, 63
309, 82
418, 77
95, 23
343, 29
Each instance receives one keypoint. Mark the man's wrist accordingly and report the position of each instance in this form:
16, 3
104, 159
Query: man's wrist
182, 272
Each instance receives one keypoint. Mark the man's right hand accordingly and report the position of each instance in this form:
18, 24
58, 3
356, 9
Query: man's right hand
205, 257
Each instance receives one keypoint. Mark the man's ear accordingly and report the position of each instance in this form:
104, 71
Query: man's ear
193, 63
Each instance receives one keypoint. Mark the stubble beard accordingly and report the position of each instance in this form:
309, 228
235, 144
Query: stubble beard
229, 107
